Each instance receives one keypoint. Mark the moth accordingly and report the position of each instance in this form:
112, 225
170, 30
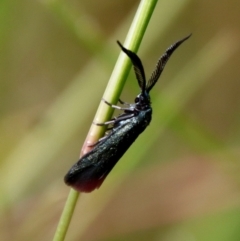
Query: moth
91, 170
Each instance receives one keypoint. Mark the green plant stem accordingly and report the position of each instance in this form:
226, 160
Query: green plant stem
66, 216
121, 70
112, 93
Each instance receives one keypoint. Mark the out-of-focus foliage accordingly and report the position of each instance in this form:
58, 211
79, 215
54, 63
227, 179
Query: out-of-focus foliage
56, 57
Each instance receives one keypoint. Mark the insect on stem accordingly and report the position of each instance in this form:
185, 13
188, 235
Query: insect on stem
91, 169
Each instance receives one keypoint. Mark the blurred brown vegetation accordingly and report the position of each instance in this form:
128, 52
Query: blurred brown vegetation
56, 58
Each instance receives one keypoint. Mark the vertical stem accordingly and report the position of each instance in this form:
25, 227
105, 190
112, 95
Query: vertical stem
112, 93
66, 216
120, 71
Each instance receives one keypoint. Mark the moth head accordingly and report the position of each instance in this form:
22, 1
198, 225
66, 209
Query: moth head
142, 101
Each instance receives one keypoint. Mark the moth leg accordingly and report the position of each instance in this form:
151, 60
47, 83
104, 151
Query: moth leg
129, 114
123, 103
116, 119
115, 106
112, 121
124, 117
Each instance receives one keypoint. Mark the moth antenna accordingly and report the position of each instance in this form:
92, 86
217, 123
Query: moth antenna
162, 62
137, 65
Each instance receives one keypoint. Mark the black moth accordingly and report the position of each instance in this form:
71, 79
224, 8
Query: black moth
91, 169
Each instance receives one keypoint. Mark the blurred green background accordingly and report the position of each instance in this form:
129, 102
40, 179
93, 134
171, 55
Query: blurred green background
180, 180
